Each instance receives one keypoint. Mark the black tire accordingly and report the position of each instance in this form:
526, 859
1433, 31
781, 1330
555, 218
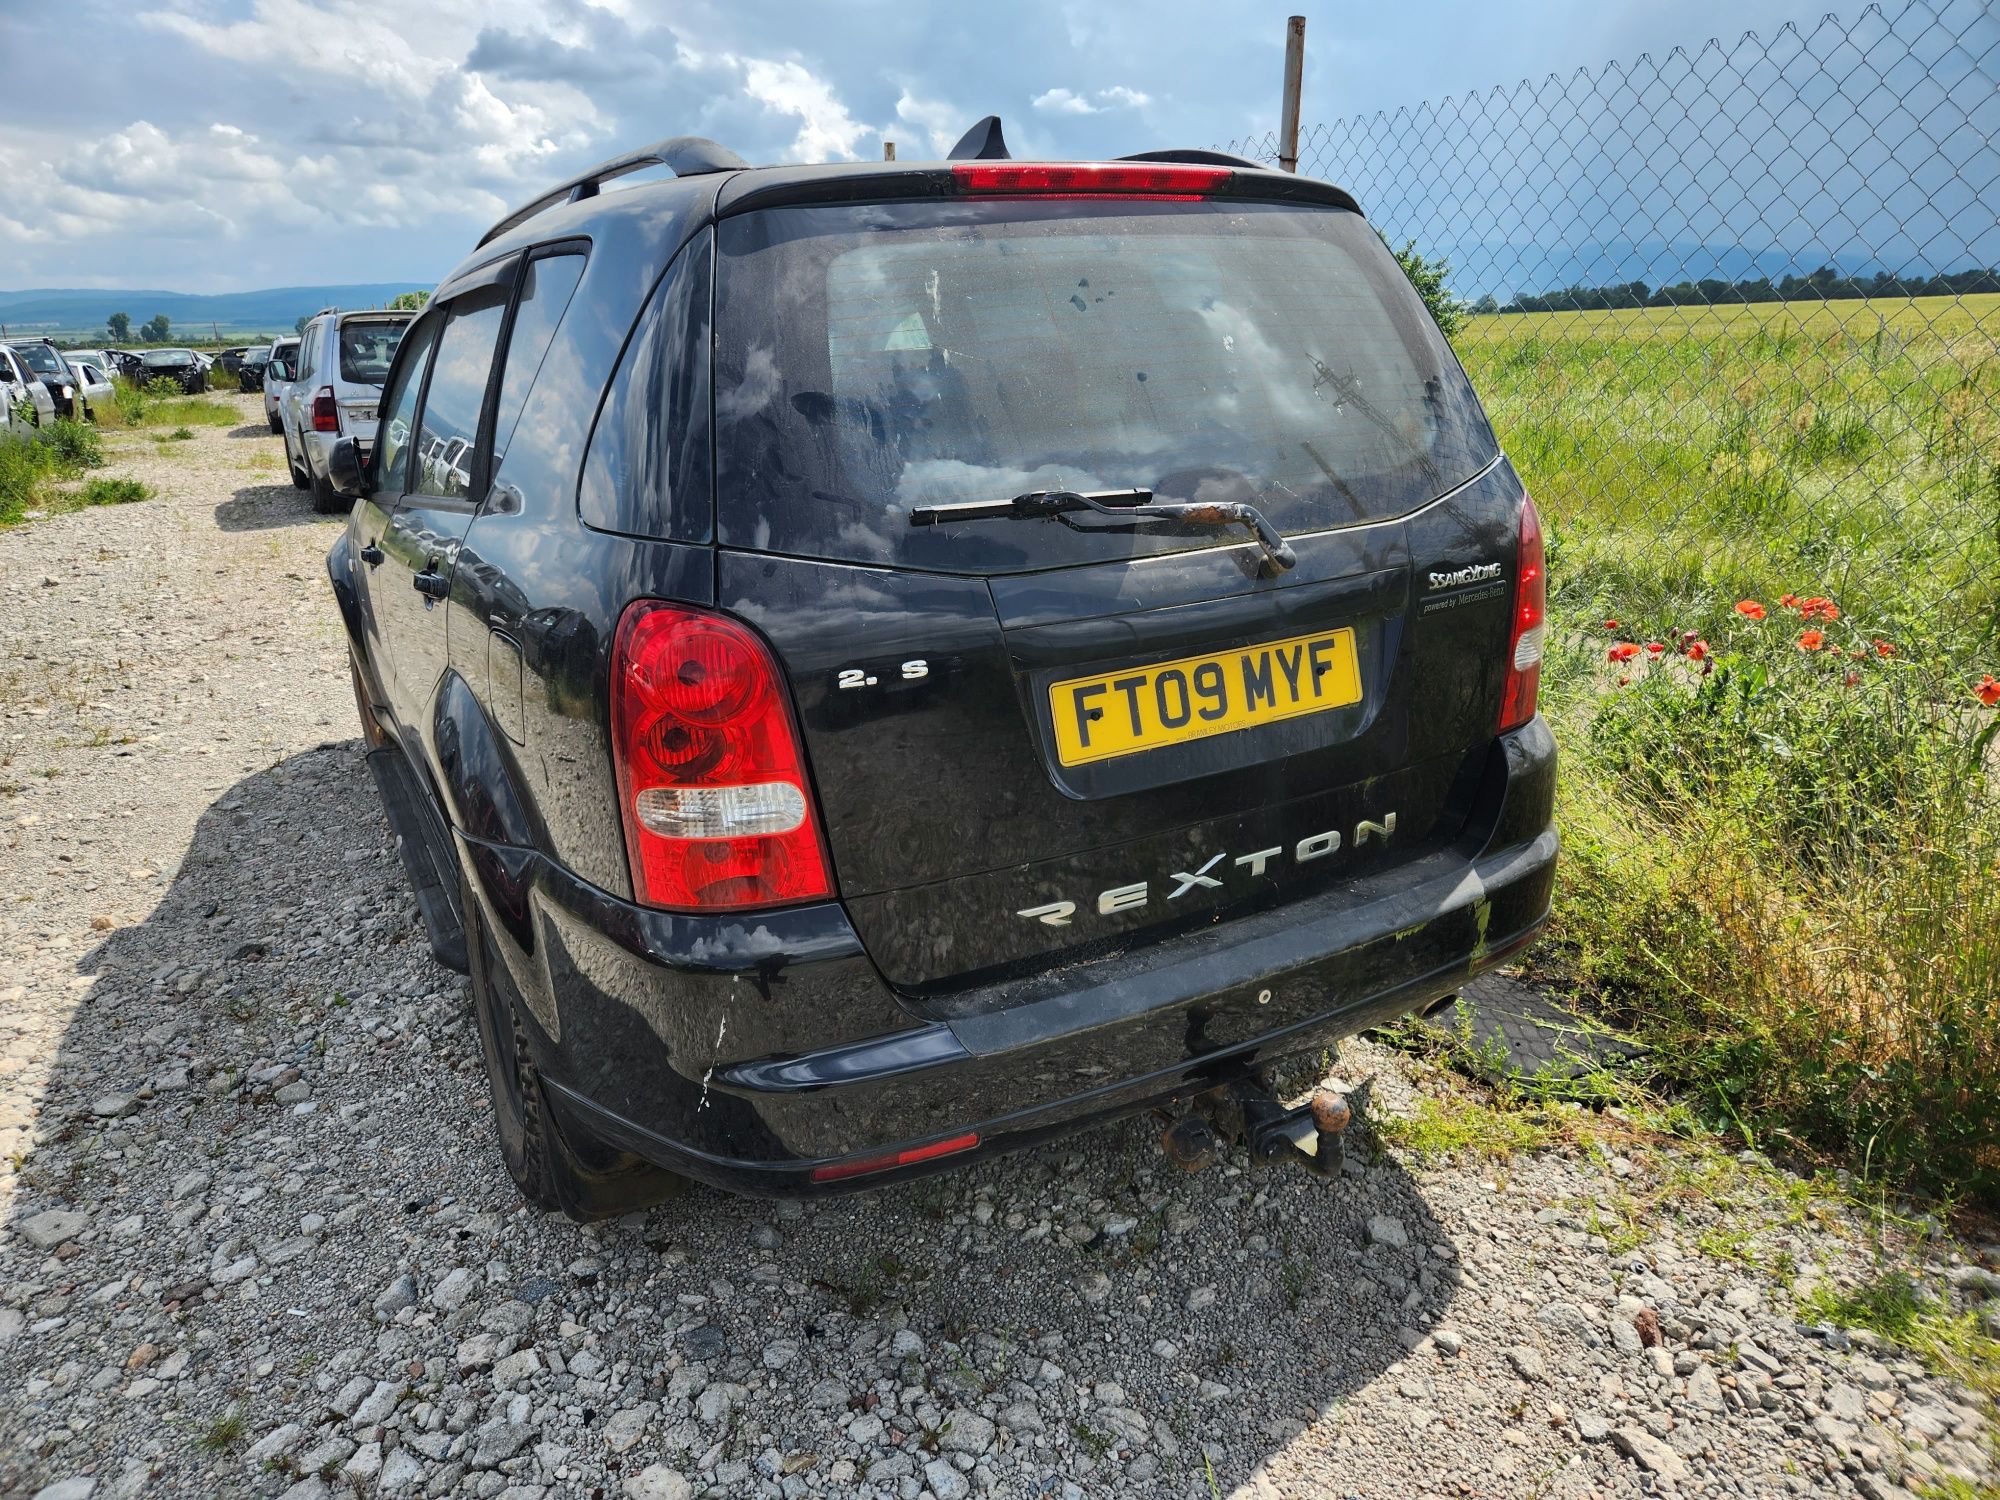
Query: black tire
301, 477
556, 1170
328, 501
277, 426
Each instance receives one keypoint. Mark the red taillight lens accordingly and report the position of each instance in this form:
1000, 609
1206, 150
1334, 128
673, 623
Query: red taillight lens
1530, 625
1149, 179
861, 1166
325, 411
711, 781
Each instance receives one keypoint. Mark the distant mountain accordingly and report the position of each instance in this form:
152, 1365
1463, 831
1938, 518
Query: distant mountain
82, 310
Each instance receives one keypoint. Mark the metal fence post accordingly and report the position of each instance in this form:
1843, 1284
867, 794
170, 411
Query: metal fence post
1288, 118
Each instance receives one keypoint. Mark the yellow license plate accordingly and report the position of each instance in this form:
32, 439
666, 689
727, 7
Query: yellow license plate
1146, 708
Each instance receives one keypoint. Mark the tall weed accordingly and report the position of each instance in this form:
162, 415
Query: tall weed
1782, 848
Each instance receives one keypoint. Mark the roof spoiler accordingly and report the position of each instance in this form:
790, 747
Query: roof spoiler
684, 155
1200, 155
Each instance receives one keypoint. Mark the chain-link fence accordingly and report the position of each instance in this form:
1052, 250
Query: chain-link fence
1734, 311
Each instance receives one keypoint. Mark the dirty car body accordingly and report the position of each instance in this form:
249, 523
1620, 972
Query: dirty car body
815, 833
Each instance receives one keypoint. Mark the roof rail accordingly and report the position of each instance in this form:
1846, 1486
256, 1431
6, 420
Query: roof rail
686, 155
1199, 154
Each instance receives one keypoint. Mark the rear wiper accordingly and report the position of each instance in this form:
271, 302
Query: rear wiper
1123, 505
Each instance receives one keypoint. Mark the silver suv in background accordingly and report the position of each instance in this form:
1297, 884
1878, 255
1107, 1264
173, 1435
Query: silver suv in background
278, 371
343, 360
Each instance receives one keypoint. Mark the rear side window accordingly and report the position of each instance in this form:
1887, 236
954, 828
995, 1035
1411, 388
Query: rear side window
546, 285
874, 359
648, 469
367, 349
392, 453
459, 374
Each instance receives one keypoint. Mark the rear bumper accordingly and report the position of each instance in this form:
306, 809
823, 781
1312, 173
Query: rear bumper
745, 1052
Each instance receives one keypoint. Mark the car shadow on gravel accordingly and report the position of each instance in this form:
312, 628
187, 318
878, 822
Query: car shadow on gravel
299, 1088
260, 507
252, 430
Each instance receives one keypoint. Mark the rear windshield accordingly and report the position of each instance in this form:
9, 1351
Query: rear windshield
158, 357
877, 358
366, 350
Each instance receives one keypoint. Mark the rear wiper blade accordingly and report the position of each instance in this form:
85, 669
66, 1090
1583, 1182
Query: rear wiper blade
1123, 505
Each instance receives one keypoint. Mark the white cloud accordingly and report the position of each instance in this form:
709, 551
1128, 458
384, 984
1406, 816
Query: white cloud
1060, 101
826, 129
935, 124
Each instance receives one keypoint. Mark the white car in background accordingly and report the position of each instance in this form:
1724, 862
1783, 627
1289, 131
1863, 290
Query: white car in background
277, 374
92, 382
343, 363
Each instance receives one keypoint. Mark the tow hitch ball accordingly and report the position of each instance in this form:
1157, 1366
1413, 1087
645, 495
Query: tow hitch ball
1313, 1134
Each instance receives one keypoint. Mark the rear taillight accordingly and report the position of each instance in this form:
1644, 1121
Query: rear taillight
1524, 642
325, 411
711, 782
1088, 179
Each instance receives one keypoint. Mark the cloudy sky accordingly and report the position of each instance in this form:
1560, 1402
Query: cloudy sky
217, 145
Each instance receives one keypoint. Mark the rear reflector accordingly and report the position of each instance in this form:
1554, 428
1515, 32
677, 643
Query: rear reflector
1530, 625
1063, 179
711, 778
861, 1166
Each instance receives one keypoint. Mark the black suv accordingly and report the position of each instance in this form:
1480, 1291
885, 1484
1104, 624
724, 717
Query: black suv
44, 363
876, 664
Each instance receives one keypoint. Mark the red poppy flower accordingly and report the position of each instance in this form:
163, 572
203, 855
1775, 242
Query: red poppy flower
1790, 601
1623, 651
1697, 650
1818, 608
1988, 691
1654, 648
1812, 640
1854, 679
1750, 609
1885, 648
1610, 624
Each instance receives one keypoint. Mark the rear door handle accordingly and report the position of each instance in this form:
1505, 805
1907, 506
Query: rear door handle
433, 585
372, 555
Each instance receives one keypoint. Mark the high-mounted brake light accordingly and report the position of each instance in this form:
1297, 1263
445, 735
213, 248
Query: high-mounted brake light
861, 1166
325, 411
711, 780
1529, 626
1087, 179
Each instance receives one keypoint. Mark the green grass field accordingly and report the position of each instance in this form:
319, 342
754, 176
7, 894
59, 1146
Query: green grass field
1684, 453
1782, 850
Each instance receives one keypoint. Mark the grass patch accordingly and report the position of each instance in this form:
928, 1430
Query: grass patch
164, 404
1445, 1129
103, 491
1893, 1306
31, 469
224, 1432
1779, 862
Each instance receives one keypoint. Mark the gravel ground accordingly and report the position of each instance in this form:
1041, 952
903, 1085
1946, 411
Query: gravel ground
255, 1239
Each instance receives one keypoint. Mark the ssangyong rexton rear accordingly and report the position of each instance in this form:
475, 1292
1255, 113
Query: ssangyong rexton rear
942, 655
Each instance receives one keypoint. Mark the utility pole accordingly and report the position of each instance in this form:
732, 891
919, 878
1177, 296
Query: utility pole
1288, 116
888, 151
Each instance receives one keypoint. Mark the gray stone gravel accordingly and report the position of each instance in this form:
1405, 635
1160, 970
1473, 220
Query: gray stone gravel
255, 1239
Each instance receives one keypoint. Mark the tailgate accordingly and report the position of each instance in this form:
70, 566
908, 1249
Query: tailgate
964, 847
